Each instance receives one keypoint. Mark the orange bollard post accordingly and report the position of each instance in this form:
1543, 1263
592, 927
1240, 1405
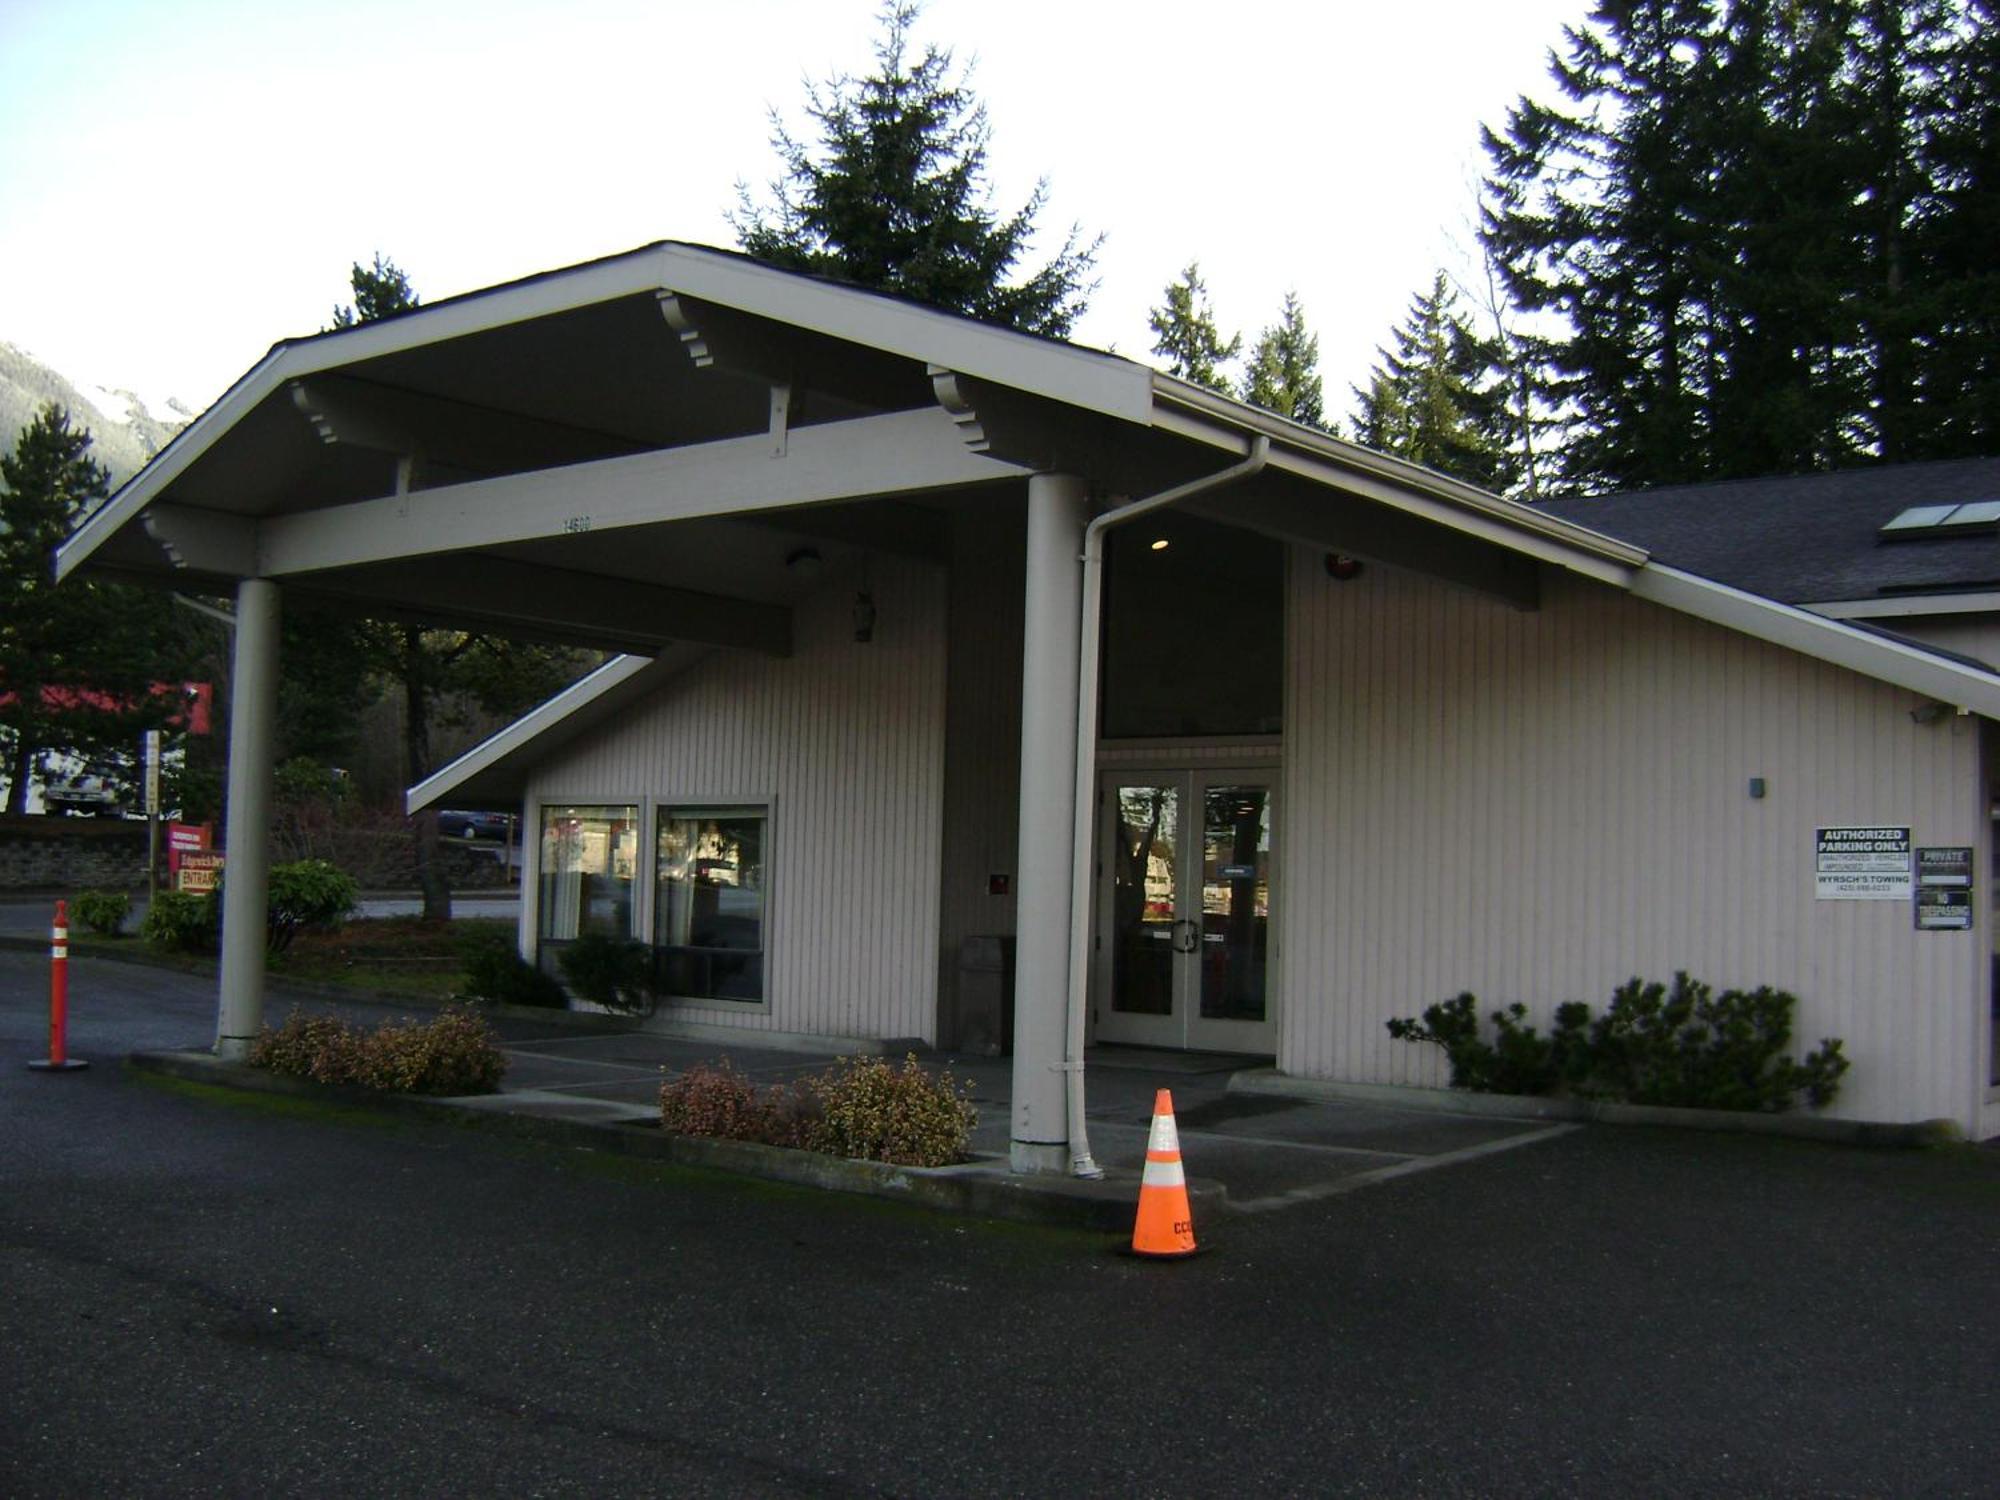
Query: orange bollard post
59, 1060
1165, 1226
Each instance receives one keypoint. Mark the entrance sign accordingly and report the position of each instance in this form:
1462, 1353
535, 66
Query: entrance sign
200, 870
1944, 889
1861, 864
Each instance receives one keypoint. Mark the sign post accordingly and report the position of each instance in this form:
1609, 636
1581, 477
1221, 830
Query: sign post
151, 755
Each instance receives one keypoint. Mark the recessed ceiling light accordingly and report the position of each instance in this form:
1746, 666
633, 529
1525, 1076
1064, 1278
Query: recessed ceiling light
1160, 544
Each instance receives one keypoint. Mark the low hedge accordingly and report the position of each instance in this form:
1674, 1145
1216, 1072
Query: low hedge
861, 1107
455, 1053
1681, 1045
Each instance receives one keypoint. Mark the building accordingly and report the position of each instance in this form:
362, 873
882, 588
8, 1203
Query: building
1368, 736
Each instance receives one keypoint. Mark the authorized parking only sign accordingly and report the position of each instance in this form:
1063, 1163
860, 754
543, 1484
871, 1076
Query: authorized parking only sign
1861, 864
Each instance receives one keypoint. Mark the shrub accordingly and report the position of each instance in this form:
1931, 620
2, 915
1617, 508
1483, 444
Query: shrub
495, 971
455, 1053
1686, 1045
1680, 1045
307, 893
321, 1048
180, 922
905, 1115
721, 1102
103, 912
610, 972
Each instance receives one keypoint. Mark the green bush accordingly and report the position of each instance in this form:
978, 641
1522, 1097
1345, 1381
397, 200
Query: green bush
612, 972
495, 971
180, 922
103, 912
455, 1053
1686, 1045
905, 1115
722, 1103
1681, 1045
307, 893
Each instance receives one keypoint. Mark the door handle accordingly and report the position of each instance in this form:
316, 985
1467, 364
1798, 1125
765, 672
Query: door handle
1190, 940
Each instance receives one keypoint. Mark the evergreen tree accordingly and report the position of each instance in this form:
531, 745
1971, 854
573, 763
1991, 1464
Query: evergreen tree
1756, 236
893, 196
1955, 243
1188, 339
1436, 399
78, 662
1283, 371
380, 291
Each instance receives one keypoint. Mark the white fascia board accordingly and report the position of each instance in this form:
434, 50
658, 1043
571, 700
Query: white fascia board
1902, 606
1829, 640
1206, 417
1062, 372
518, 302
523, 731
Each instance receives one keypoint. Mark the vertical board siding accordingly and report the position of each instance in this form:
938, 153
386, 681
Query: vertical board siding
1535, 806
846, 742
982, 769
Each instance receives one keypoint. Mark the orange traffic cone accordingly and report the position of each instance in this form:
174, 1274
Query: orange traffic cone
1165, 1226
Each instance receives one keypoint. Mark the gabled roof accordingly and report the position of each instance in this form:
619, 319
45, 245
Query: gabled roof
1810, 538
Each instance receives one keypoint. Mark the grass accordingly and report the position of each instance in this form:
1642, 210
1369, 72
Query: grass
405, 957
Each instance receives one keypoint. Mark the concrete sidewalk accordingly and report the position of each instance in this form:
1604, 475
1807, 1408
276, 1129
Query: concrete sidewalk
1244, 1153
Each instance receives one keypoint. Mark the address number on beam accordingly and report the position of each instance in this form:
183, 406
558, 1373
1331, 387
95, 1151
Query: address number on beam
575, 524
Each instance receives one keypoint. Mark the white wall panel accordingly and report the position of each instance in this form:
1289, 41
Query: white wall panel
1535, 806
845, 741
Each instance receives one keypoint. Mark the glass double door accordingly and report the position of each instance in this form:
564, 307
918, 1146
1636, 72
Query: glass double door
1184, 910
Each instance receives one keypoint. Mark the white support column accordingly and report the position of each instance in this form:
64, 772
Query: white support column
1058, 509
253, 708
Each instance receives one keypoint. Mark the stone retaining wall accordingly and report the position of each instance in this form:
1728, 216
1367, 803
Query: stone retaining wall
71, 853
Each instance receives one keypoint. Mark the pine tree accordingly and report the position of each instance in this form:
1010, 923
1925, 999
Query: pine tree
380, 291
79, 660
893, 196
1283, 371
1188, 339
1438, 399
1954, 245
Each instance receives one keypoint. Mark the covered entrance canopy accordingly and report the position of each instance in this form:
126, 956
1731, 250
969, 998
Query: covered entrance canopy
626, 454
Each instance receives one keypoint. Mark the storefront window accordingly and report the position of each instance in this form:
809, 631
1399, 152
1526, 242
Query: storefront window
708, 923
590, 859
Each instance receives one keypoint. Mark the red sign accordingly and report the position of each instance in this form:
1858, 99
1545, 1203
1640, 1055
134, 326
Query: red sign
185, 838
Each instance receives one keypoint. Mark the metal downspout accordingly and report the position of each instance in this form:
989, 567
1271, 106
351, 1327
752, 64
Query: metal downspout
1081, 882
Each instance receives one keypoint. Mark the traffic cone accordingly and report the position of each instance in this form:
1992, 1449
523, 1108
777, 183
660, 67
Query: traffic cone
1165, 1226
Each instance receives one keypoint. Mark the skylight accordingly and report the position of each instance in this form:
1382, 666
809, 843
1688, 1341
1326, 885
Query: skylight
1944, 520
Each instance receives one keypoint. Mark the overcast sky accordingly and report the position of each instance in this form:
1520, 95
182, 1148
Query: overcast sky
184, 182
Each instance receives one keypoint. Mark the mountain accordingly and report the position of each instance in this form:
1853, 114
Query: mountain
127, 429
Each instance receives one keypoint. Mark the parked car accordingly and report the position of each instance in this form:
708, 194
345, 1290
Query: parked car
86, 795
460, 824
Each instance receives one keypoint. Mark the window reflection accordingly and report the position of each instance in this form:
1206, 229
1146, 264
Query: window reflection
709, 906
590, 857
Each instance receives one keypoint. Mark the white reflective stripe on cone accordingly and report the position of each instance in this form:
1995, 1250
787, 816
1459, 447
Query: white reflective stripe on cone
1165, 1136
1163, 1174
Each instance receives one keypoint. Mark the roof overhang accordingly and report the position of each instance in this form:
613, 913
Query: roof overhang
632, 453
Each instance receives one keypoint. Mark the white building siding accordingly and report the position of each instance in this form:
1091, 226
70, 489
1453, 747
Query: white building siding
1536, 806
845, 742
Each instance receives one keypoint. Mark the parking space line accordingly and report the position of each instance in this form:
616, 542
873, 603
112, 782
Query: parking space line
1406, 1168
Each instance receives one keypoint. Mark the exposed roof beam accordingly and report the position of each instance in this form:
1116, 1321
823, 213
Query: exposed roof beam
504, 595
899, 453
203, 541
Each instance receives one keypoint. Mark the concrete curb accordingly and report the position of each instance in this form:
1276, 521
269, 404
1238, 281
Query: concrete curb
1873, 1133
981, 1189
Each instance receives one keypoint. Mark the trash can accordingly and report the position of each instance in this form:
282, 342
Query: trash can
986, 995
